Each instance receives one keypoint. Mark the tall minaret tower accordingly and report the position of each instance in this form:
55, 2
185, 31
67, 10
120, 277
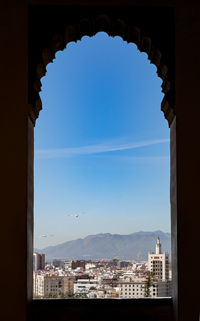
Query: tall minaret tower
158, 246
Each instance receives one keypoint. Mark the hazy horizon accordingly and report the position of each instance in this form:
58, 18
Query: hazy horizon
102, 233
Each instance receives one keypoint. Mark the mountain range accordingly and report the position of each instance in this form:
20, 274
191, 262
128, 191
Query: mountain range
133, 246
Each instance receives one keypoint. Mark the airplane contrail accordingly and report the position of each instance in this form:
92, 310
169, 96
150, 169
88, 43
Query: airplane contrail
96, 149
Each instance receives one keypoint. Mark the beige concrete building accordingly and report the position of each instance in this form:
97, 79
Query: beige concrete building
52, 285
69, 285
130, 290
158, 263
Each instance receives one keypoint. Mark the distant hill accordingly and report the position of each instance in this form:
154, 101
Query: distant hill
133, 246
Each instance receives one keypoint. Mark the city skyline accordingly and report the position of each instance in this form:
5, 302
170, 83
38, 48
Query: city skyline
110, 278
100, 152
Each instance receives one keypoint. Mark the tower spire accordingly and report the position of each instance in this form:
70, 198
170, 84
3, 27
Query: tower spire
158, 246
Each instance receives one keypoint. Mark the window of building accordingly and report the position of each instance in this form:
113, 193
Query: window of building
148, 157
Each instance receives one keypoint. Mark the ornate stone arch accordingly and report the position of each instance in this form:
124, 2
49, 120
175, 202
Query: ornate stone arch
89, 26
152, 30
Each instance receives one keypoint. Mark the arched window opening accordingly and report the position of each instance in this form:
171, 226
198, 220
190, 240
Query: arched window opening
101, 176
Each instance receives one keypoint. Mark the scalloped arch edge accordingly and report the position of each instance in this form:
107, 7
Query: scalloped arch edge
113, 27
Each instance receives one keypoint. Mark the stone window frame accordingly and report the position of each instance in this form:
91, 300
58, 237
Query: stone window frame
140, 29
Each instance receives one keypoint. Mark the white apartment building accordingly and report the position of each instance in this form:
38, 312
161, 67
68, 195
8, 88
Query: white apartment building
38, 285
158, 263
130, 290
89, 266
84, 285
67, 265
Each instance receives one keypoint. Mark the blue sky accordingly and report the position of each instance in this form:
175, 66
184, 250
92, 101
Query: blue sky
101, 144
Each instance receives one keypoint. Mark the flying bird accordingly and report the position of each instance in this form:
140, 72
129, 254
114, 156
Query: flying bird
76, 215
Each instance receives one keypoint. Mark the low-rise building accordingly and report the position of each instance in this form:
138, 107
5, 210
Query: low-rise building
53, 286
67, 265
69, 285
58, 263
137, 289
45, 285
82, 286
78, 264
38, 285
131, 290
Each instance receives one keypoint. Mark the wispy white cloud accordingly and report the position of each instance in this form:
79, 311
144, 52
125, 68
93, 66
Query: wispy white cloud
96, 149
145, 159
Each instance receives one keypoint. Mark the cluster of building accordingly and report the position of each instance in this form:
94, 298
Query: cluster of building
103, 278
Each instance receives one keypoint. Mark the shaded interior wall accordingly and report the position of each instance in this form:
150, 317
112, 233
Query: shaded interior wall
14, 162
13, 141
187, 70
